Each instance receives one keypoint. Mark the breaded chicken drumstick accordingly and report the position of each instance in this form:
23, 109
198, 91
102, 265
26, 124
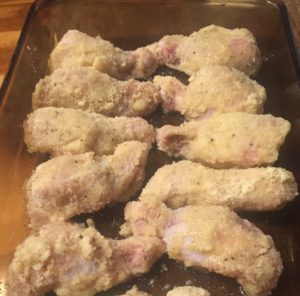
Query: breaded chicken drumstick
211, 45
228, 140
73, 260
212, 90
79, 49
60, 131
188, 183
90, 90
70, 185
210, 237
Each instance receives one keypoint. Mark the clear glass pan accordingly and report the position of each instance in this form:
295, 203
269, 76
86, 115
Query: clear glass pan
129, 24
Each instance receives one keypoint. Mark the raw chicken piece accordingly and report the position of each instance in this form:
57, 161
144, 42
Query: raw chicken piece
212, 90
227, 140
179, 291
79, 49
188, 183
68, 131
77, 261
188, 291
211, 45
214, 238
93, 91
69, 185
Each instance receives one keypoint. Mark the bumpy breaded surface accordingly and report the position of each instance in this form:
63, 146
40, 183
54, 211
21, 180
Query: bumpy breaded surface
210, 237
187, 183
68, 131
211, 45
188, 291
215, 238
70, 185
179, 291
134, 291
212, 90
77, 261
88, 89
227, 140
79, 49
148, 218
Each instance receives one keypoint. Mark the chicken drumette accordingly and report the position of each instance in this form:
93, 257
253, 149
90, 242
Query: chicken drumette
227, 140
69, 185
93, 91
212, 90
211, 45
210, 237
187, 183
77, 261
68, 131
79, 49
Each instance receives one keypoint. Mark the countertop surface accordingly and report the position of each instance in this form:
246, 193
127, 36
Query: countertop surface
13, 13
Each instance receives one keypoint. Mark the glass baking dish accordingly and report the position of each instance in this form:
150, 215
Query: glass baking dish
129, 24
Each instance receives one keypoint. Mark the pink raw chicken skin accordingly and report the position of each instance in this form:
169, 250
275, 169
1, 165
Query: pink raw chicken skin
210, 237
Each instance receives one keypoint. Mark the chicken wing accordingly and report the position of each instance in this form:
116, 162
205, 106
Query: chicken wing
187, 183
211, 45
227, 140
211, 237
68, 131
77, 261
87, 89
212, 90
69, 185
179, 291
79, 49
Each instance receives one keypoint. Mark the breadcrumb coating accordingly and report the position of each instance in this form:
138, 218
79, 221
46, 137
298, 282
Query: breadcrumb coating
211, 45
188, 183
211, 91
77, 261
90, 90
229, 140
60, 131
210, 237
70, 185
79, 49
